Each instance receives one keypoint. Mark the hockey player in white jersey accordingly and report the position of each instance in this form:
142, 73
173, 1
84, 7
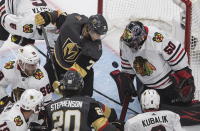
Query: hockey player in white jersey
17, 18
16, 117
159, 62
152, 119
24, 73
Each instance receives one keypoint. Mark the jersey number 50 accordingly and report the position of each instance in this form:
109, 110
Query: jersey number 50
71, 120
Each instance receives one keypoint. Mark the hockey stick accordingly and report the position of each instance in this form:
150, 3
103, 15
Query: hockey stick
40, 51
49, 52
114, 101
41, 128
125, 107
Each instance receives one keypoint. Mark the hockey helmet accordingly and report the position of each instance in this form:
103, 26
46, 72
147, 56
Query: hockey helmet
150, 99
28, 59
31, 99
98, 24
134, 35
72, 80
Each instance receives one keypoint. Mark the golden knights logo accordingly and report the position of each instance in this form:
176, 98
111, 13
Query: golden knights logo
71, 51
18, 121
9, 65
28, 28
158, 37
143, 67
38, 74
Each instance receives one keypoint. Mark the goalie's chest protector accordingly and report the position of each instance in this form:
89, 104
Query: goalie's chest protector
149, 64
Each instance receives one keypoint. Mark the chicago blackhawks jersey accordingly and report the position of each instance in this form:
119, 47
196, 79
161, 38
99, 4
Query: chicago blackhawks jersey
12, 76
18, 17
154, 121
11, 119
158, 57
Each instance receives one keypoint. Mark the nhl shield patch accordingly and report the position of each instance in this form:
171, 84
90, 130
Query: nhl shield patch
158, 37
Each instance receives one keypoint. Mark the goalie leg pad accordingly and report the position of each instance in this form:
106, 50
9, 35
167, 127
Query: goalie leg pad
183, 82
189, 115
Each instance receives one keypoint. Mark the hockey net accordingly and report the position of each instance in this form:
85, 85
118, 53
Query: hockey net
164, 14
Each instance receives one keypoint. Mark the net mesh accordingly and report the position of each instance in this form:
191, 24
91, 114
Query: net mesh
164, 14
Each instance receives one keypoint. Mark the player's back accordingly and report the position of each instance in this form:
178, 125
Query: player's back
70, 113
154, 121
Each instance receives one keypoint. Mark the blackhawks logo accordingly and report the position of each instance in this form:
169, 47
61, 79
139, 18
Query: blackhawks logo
158, 37
9, 65
143, 67
38, 74
28, 28
18, 121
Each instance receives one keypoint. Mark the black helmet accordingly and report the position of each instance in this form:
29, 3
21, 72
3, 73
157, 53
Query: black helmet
72, 80
134, 35
98, 24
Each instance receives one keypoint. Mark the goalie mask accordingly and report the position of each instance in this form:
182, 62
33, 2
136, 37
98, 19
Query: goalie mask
31, 99
150, 100
134, 35
28, 59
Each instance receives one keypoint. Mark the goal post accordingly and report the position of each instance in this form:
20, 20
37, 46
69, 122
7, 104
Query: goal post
164, 14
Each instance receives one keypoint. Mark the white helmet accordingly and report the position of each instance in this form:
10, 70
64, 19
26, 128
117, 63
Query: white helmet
31, 99
28, 55
150, 99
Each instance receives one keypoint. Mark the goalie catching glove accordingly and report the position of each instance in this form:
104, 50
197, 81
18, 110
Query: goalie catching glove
124, 82
183, 81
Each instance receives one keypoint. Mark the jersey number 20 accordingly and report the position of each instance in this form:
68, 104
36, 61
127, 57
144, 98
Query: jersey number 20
70, 119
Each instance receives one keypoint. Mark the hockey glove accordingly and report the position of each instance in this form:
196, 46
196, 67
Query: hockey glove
57, 87
4, 101
21, 40
183, 81
119, 124
124, 83
45, 18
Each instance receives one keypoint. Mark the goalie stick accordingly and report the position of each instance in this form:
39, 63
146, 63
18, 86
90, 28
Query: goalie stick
127, 97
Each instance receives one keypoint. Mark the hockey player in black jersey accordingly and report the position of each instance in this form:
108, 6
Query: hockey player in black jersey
78, 45
76, 112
